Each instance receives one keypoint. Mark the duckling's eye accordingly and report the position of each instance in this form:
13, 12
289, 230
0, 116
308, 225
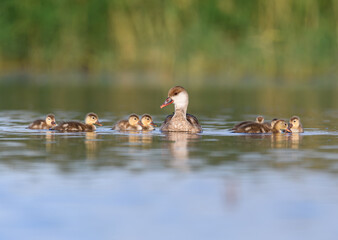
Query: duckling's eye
135, 119
49, 119
294, 121
93, 118
148, 119
175, 93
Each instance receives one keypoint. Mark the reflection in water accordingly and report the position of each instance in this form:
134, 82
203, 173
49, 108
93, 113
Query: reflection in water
178, 147
295, 139
91, 145
50, 140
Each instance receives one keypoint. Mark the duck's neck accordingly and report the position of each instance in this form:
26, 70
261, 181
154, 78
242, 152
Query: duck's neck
181, 106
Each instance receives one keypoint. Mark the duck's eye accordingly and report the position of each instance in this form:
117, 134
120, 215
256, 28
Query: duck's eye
148, 119
135, 119
93, 118
49, 119
175, 93
294, 121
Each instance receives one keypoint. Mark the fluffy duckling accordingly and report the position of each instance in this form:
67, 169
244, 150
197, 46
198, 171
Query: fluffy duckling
280, 126
180, 121
295, 125
147, 122
259, 119
272, 123
43, 124
132, 124
74, 126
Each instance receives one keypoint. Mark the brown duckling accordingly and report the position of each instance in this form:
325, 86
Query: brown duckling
147, 123
43, 124
132, 124
74, 126
295, 125
272, 123
259, 119
180, 121
280, 126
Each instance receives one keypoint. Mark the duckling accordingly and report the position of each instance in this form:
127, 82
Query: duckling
271, 124
43, 124
74, 126
295, 125
180, 121
280, 126
133, 123
259, 119
147, 122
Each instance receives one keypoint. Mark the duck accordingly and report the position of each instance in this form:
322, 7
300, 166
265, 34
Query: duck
43, 124
280, 126
147, 122
180, 121
133, 123
91, 120
295, 125
259, 119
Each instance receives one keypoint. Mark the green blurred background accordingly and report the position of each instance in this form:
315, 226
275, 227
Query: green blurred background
201, 41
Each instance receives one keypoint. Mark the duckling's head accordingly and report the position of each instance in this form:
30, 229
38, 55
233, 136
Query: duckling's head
177, 95
92, 119
147, 120
259, 119
273, 122
133, 120
50, 120
294, 122
281, 126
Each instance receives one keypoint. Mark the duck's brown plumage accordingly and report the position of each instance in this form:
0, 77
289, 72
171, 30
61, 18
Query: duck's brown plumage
259, 119
43, 124
75, 126
278, 127
132, 124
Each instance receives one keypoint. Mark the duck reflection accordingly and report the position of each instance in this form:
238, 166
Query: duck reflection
91, 145
178, 147
295, 139
137, 137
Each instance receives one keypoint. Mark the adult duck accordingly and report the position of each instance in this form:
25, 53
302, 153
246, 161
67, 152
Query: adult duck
180, 121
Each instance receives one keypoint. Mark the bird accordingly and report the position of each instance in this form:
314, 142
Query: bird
295, 125
43, 124
180, 121
147, 122
280, 126
74, 126
259, 119
133, 123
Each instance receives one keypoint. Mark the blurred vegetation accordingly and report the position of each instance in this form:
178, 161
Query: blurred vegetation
284, 39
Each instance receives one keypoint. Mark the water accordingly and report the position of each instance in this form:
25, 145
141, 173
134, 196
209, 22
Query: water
215, 185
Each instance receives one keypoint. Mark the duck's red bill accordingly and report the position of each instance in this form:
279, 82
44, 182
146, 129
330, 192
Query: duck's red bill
288, 130
167, 102
98, 123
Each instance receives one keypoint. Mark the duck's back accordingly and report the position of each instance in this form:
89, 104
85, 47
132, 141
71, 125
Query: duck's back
253, 128
38, 124
73, 126
124, 125
239, 125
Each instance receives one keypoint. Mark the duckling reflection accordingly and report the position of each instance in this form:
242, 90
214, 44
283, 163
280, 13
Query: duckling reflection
295, 140
91, 145
49, 136
178, 147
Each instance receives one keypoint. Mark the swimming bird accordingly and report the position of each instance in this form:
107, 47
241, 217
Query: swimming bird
133, 123
295, 125
259, 119
147, 123
74, 126
180, 121
280, 126
43, 124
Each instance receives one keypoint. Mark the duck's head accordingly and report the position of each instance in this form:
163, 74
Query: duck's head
50, 120
281, 126
92, 119
273, 122
259, 119
294, 122
133, 119
177, 95
147, 120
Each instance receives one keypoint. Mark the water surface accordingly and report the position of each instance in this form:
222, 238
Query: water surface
214, 185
